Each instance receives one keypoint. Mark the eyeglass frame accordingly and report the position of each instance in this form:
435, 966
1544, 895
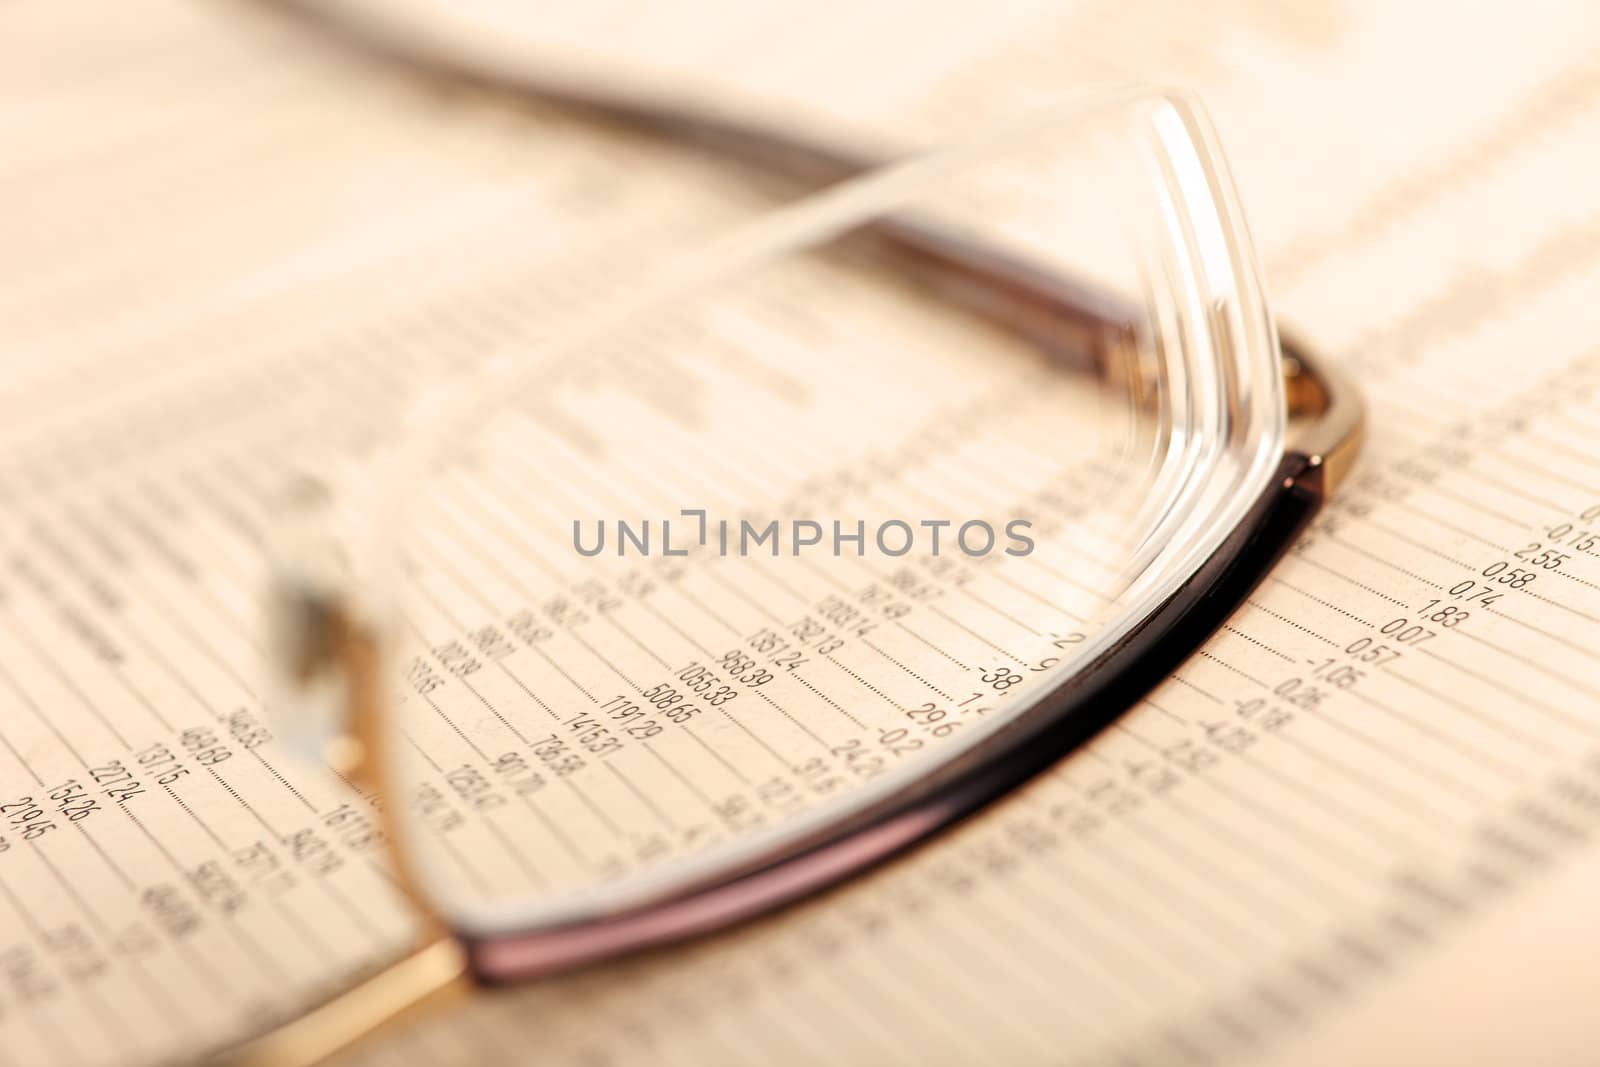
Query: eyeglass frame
1327, 419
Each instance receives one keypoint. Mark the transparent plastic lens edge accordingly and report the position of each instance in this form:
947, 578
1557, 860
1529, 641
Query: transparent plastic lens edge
1101, 233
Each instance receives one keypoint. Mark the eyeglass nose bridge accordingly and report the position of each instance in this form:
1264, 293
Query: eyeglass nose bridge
328, 660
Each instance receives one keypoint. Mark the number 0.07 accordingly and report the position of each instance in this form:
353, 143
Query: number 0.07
1406, 632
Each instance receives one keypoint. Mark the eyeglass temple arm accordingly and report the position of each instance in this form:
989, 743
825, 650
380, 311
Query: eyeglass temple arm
1084, 328
1326, 413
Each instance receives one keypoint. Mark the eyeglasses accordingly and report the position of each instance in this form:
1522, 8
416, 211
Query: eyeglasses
868, 513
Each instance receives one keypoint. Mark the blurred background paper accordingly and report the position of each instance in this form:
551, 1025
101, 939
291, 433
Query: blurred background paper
218, 227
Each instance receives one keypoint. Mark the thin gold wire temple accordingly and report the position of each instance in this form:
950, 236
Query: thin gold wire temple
431, 977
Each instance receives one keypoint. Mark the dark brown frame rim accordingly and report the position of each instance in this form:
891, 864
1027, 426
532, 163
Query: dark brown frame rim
1050, 730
